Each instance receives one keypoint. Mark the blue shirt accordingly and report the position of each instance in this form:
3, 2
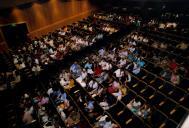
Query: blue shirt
90, 105
63, 97
74, 68
88, 65
141, 63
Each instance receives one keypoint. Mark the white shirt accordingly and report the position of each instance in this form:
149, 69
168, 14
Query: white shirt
93, 84
106, 66
136, 104
131, 49
136, 69
15, 60
123, 54
122, 62
132, 43
22, 65
81, 82
83, 74
119, 73
50, 90
90, 71
101, 52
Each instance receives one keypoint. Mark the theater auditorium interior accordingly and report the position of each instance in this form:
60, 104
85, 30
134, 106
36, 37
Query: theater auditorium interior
94, 64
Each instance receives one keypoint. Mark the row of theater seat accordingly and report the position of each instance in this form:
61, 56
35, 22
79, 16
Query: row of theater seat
156, 96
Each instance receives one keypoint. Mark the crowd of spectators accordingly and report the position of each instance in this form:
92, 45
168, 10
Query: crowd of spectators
35, 55
171, 68
84, 94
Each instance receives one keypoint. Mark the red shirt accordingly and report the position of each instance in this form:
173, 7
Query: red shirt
111, 89
97, 71
173, 66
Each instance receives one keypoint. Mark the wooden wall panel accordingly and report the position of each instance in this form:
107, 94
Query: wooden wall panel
47, 16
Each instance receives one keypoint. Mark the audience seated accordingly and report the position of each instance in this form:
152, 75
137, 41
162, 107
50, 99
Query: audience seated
115, 86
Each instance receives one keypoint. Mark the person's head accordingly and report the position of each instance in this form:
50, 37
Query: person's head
173, 60
108, 119
137, 100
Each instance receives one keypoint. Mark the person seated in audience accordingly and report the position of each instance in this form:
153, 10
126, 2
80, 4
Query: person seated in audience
121, 63
135, 36
119, 73
43, 100
173, 65
134, 105
136, 68
104, 104
36, 69
50, 90
73, 118
140, 62
145, 111
166, 74
163, 45
71, 84
60, 109
88, 65
127, 78
97, 70
113, 87
43, 115
155, 45
75, 69
182, 46
89, 106
145, 40
17, 77
123, 53
132, 49
101, 52
132, 43
105, 65
182, 69
81, 79
103, 77
21, 65
110, 57
15, 59
175, 78
120, 92
140, 38
105, 122
117, 93
164, 63
64, 82
84, 74
94, 88
28, 115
